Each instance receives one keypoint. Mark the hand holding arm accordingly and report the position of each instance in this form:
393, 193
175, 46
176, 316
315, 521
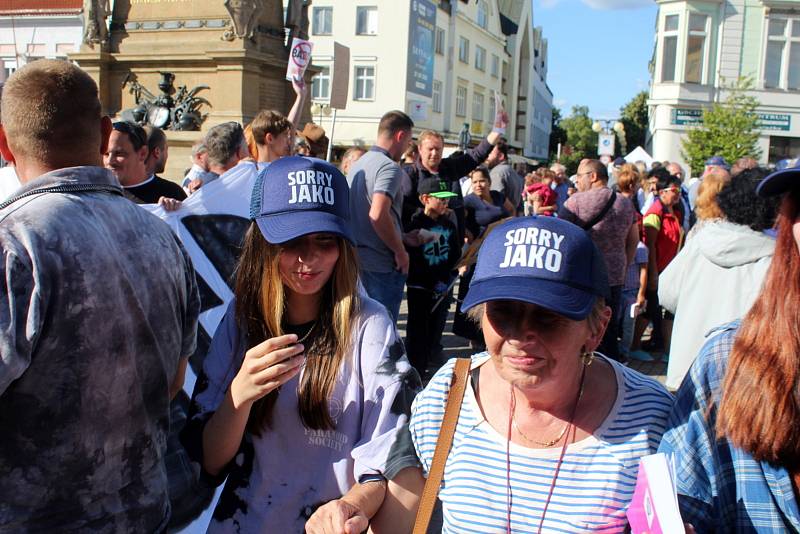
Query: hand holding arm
351, 513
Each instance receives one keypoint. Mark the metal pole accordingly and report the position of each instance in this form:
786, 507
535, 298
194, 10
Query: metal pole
330, 139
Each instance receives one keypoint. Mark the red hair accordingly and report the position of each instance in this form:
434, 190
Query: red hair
759, 410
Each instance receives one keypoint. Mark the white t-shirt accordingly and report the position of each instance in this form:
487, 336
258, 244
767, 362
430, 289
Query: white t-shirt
279, 478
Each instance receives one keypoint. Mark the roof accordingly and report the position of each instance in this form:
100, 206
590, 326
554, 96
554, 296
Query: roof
40, 7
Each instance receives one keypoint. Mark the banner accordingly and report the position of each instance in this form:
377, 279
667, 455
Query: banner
211, 224
421, 35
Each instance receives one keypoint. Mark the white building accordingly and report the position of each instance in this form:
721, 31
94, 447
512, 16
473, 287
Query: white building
704, 45
440, 62
35, 29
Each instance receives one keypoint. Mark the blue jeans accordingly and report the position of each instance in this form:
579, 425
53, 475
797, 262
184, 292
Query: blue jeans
386, 288
628, 322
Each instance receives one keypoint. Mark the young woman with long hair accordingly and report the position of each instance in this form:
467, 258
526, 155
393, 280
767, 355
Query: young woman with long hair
735, 428
306, 381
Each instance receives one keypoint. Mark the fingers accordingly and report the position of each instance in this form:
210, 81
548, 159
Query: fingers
270, 345
356, 525
169, 204
274, 358
276, 381
274, 372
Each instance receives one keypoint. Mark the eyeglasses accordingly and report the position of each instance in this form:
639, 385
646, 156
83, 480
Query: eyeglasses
672, 189
135, 132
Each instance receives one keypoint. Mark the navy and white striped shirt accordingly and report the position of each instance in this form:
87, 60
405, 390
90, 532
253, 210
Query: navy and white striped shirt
597, 476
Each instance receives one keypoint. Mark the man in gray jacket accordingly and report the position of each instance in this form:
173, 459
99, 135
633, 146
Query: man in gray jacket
97, 317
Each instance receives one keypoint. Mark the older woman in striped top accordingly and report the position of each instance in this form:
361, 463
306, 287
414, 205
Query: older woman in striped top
550, 432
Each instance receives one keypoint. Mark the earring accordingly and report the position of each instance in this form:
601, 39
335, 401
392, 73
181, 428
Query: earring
587, 357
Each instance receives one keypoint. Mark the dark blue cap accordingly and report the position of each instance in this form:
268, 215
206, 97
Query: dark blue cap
780, 181
540, 260
299, 196
717, 161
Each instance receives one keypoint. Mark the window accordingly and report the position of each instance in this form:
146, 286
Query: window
365, 83
477, 113
782, 62
437, 96
669, 48
695, 48
321, 85
492, 111
477, 106
495, 66
366, 20
463, 50
323, 21
439, 41
461, 101
480, 58
483, 16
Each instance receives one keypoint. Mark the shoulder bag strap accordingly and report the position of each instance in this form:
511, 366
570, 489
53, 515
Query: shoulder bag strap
602, 213
443, 444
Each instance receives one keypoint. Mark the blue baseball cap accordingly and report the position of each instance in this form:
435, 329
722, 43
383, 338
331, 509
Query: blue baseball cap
296, 196
780, 181
717, 161
540, 260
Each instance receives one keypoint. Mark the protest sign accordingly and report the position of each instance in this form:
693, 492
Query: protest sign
299, 58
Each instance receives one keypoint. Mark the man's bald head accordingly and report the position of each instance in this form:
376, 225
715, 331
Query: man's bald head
51, 115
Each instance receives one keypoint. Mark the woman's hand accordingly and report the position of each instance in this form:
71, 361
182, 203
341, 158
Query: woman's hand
265, 367
337, 517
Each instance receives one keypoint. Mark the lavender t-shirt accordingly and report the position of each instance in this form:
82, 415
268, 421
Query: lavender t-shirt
277, 480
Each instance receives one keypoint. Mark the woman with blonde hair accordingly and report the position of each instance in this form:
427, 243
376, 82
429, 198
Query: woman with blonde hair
706, 206
306, 382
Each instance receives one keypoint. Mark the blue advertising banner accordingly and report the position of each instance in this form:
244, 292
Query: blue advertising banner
421, 34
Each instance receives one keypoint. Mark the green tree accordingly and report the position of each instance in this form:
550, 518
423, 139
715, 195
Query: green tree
557, 135
634, 116
581, 140
729, 129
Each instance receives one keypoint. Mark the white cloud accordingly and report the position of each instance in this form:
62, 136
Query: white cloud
607, 5
559, 103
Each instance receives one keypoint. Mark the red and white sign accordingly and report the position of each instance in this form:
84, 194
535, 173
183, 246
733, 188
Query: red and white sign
299, 58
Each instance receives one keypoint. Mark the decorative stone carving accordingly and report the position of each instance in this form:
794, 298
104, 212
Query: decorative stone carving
297, 19
245, 15
181, 112
94, 17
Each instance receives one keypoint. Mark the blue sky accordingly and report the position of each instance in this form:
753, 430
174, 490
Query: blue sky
598, 51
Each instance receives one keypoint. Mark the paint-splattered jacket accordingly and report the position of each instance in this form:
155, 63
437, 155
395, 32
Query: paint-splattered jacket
277, 480
99, 305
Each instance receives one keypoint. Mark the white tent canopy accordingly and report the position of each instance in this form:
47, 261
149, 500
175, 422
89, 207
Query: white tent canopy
640, 154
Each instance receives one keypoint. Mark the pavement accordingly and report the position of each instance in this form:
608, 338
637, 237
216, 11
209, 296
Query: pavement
458, 346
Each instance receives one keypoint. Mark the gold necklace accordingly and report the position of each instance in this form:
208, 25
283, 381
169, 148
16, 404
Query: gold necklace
564, 431
308, 333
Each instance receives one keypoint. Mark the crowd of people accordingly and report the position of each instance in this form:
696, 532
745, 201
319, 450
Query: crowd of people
310, 410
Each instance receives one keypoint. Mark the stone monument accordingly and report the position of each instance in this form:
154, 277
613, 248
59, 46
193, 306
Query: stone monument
232, 50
